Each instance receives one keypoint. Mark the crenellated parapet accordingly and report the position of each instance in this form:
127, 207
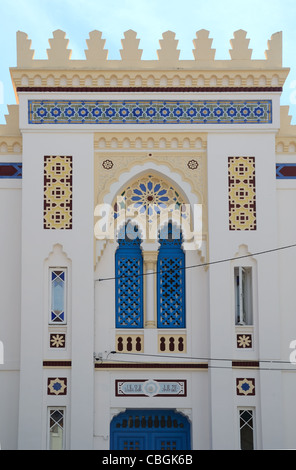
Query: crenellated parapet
286, 137
168, 70
10, 136
203, 72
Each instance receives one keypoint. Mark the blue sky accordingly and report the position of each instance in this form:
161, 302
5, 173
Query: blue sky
150, 19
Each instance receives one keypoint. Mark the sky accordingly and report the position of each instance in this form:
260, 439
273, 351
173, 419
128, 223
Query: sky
150, 19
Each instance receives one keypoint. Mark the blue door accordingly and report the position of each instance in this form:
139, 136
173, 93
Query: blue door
150, 430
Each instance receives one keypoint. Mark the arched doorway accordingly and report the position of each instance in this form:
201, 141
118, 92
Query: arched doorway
150, 430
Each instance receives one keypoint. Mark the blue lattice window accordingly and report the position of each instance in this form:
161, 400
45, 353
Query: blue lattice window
129, 279
171, 279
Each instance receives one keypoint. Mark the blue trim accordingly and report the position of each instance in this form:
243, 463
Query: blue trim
18, 170
286, 166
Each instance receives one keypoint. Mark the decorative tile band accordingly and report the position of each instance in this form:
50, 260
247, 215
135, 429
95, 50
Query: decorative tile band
151, 365
241, 193
149, 112
58, 364
246, 364
150, 89
11, 170
286, 171
57, 207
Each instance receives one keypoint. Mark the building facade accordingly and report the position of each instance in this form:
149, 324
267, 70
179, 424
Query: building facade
147, 268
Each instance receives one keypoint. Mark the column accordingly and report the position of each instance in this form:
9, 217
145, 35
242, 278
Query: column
150, 268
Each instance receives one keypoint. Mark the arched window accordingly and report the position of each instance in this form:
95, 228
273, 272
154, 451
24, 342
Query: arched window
171, 279
129, 278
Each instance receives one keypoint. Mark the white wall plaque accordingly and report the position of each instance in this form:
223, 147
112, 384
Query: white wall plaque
150, 388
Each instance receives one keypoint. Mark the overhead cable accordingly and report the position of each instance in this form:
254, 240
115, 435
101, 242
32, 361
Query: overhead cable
209, 263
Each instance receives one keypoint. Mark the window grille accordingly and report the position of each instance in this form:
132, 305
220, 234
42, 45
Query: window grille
171, 279
129, 279
58, 295
246, 424
56, 429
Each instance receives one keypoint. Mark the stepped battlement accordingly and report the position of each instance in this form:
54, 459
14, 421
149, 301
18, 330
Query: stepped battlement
168, 70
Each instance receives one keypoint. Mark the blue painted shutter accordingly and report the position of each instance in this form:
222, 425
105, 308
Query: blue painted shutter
129, 282
171, 279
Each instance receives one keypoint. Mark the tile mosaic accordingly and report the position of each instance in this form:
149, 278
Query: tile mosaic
286, 171
57, 192
245, 386
244, 341
57, 340
11, 170
57, 386
149, 112
242, 193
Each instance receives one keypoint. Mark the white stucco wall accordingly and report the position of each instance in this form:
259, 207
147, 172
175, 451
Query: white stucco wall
37, 244
10, 281
211, 403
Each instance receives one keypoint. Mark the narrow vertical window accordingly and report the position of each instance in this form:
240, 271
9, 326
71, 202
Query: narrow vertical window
246, 428
129, 278
58, 295
56, 429
171, 279
243, 295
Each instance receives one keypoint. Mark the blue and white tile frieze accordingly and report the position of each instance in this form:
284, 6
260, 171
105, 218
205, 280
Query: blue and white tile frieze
149, 112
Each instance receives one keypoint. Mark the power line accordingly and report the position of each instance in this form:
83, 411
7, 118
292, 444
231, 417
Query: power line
209, 366
172, 356
210, 263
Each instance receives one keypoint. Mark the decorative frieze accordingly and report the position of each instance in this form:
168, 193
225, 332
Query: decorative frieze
10, 146
150, 141
152, 365
149, 112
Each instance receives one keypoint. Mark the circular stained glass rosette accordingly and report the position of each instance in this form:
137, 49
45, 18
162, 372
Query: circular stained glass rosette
149, 196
